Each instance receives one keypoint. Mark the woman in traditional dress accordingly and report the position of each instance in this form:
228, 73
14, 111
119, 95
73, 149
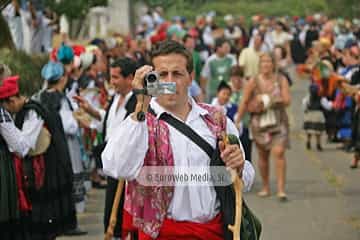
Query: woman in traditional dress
314, 120
70, 166
14, 205
50, 73
14, 209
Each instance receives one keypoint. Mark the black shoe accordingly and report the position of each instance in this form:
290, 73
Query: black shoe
99, 185
319, 148
350, 149
75, 232
308, 145
354, 164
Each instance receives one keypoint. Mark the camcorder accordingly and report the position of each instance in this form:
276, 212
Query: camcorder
154, 87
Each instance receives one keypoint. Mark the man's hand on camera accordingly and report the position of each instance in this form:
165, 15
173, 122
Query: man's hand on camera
138, 82
143, 101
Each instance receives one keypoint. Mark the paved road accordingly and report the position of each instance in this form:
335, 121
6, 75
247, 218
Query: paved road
324, 194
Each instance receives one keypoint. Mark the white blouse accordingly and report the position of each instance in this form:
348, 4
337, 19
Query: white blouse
70, 125
20, 141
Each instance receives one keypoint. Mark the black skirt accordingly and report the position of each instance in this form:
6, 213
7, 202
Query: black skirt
8, 189
17, 229
13, 224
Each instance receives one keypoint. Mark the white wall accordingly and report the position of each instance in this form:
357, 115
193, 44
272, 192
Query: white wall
119, 16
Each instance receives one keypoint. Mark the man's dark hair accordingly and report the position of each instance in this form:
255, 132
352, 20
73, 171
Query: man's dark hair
223, 85
186, 37
237, 71
6, 100
169, 47
282, 25
127, 66
262, 36
283, 51
219, 42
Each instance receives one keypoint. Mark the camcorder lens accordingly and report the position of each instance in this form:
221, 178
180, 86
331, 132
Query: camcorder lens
151, 77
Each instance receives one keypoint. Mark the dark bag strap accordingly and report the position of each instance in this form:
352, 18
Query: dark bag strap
187, 131
255, 227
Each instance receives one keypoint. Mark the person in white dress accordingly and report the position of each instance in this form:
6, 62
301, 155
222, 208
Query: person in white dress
12, 15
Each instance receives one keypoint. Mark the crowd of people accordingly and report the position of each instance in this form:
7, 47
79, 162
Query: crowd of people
32, 29
87, 122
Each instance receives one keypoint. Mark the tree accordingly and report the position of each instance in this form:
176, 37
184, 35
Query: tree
344, 8
6, 40
74, 9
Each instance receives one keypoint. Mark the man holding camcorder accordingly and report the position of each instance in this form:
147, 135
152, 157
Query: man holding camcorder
153, 140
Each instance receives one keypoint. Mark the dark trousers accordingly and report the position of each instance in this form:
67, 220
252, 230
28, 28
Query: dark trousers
246, 143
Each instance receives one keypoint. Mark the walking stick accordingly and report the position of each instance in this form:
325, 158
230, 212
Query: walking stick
113, 217
238, 188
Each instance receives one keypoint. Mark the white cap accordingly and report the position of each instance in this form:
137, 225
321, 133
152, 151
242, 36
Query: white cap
110, 42
228, 17
87, 59
317, 16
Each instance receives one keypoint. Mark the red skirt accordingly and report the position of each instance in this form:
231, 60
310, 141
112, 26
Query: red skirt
23, 200
175, 230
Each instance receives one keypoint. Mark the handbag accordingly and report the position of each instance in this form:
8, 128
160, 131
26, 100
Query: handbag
250, 228
267, 119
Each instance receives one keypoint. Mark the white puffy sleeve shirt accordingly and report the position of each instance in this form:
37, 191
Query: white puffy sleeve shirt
69, 123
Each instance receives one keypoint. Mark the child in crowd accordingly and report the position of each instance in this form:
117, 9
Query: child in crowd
222, 100
314, 120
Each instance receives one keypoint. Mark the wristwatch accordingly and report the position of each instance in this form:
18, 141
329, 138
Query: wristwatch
140, 116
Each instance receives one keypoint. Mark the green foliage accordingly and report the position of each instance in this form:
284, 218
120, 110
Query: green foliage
191, 8
74, 9
249, 8
344, 8
28, 67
